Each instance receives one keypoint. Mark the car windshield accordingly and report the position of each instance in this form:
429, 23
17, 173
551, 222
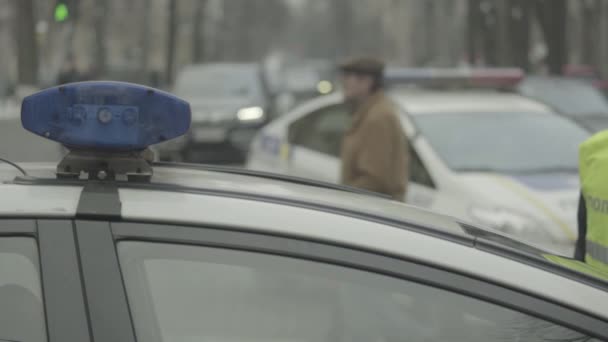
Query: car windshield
181, 293
503, 142
223, 82
570, 97
594, 123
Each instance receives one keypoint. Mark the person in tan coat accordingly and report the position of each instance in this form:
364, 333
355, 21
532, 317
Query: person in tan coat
374, 150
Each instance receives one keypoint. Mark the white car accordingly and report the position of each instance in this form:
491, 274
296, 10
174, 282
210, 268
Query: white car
492, 158
138, 251
576, 99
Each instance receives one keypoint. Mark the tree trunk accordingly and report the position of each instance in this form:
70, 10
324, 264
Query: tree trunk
27, 49
198, 35
171, 36
520, 33
246, 22
603, 39
503, 33
552, 16
100, 58
489, 33
144, 33
343, 19
472, 31
590, 21
230, 23
428, 48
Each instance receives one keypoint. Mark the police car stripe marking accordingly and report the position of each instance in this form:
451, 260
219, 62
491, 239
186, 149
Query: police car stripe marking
285, 151
525, 194
271, 144
99, 201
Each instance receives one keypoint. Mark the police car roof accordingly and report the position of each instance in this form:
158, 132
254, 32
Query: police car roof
441, 102
426, 102
189, 195
189, 178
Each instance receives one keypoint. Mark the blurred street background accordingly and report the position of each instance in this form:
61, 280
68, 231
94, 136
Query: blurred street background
45, 42
150, 40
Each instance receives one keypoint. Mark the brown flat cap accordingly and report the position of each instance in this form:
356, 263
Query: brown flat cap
363, 65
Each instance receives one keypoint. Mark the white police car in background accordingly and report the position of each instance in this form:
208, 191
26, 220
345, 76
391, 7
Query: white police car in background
140, 251
576, 99
494, 158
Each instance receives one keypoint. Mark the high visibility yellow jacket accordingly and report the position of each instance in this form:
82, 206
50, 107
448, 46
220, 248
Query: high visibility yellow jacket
593, 164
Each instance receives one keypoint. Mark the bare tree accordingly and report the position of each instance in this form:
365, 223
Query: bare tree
552, 17
503, 32
591, 11
489, 29
499, 31
343, 17
144, 33
521, 15
198, 34
99, 26
474, 24
170, 52
27, 49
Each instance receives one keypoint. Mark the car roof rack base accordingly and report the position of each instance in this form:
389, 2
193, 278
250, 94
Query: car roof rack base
97, 165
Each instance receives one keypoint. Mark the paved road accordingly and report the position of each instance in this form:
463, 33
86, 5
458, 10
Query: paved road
18, 145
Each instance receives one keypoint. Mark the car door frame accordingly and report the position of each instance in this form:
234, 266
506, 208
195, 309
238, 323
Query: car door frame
418, 194
65, 310
98, 240
311, 157
108, 310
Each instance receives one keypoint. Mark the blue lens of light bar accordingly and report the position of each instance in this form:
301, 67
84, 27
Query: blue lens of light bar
105, 115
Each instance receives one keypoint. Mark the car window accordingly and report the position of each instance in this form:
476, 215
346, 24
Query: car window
321, 131
180, 293
594, 123
220, 83
503, 142
571, 97
418, 172
21, 310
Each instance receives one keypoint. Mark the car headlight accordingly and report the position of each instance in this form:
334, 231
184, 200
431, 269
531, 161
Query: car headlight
250, 114
512, 222
325, 87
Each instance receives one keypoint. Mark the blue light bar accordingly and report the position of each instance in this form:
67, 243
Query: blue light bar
466, 77
105, 115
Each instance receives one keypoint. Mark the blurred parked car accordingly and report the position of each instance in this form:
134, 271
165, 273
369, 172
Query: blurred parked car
229, 104
573, 98
494, 158
587, 74
304, 80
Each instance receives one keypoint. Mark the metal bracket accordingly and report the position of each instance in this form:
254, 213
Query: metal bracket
106, 165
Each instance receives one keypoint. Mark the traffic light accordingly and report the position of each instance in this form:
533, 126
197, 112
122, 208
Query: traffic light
65, 10
62, 12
